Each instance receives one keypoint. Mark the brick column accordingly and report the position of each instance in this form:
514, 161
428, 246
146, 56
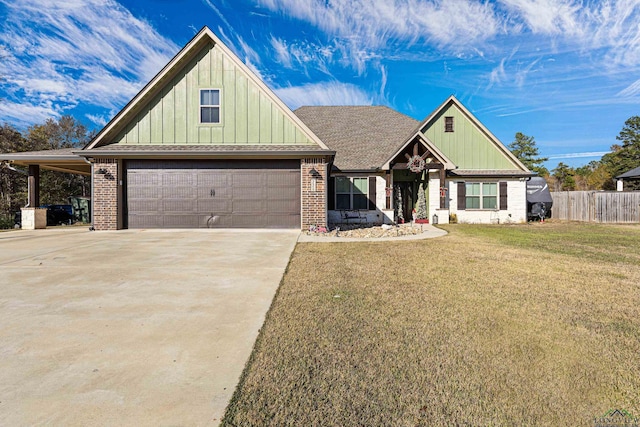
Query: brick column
314, 192
105, 194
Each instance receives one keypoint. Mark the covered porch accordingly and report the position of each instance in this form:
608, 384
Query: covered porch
418, 167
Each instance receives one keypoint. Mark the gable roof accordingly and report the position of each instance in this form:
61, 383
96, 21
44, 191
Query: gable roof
452, 100
633, 173
362, 136
171, 70
418, 136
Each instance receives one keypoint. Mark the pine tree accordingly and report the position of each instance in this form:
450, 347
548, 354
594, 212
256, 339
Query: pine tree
524, 148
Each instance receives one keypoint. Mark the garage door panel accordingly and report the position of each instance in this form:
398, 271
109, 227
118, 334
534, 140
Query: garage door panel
217, 192
178, 192
215, 206
282, 193
179, 206
180, 221
145, 221
249, 207
249, 193
247, 179
147, 192
144, 205
248, 221
143, 178
281, 207
178, 179
213, 179
185, 194
291, 179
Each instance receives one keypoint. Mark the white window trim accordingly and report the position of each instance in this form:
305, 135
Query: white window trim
219, 122
351, 187
482, 196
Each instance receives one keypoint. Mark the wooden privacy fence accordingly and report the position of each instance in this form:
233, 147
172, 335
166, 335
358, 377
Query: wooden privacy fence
596, 206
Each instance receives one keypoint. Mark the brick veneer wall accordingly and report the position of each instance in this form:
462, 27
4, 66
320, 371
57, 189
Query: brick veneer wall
314, 201
105, 194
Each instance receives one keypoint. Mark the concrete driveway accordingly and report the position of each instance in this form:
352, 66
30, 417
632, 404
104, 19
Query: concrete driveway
130, 327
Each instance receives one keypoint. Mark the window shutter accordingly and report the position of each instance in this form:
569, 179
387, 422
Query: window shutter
372, 193
332, 193
462, 196
503, 196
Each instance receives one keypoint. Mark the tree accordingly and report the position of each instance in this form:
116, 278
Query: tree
66, 132
626, 156
564, 176
13, 185
524, 148
593, 176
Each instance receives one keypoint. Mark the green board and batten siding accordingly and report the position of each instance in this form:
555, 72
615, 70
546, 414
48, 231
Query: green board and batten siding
468, 147
248, 115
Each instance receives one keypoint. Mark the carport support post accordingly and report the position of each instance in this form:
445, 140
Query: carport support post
34, 186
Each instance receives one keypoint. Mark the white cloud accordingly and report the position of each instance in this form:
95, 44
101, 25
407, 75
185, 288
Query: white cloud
24, 114
548, 16
361, 28
97, 119
282, 52
578, 155
325, 93
632, 90
59, 54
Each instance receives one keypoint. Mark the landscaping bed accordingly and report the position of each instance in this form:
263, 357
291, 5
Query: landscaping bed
368, 231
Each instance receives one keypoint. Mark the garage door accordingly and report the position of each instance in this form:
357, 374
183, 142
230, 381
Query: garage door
222, 194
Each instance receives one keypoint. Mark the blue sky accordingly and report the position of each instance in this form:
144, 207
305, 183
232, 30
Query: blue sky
564, 71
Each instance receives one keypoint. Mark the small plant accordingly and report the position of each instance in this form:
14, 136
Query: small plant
6, 222
453, 218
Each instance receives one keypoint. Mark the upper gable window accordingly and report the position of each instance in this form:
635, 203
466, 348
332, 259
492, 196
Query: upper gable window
209, 105
448, 124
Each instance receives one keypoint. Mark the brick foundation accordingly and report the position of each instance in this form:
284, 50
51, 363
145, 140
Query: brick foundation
105, 194
314, 192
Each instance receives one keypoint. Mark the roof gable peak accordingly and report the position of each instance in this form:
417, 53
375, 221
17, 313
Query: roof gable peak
205, 37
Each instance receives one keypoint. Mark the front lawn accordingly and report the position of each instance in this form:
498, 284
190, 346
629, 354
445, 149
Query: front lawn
490, 325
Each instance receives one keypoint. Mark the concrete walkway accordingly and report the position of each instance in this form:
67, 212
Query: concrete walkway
429, 232
131, 327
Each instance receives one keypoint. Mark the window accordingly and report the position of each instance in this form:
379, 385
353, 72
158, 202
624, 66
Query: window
448, 124
481, 195
209, 105
351, 193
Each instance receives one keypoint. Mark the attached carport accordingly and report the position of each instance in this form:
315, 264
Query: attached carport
61, 160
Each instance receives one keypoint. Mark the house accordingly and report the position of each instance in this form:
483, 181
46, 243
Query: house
631, 175
207, 144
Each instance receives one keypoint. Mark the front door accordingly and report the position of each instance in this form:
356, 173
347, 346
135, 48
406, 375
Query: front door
405, 191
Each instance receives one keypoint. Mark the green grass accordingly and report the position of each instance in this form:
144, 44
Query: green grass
609, 243
511, 325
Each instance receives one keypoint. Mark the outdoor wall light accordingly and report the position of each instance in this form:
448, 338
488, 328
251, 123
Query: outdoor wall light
314, 173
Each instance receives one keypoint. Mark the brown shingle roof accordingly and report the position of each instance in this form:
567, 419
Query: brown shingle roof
363, 137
